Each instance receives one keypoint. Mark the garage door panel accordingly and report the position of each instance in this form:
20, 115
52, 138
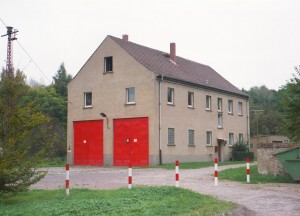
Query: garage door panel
88, 143
131, 142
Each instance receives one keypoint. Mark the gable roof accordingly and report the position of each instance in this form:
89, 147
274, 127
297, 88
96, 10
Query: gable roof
183, 71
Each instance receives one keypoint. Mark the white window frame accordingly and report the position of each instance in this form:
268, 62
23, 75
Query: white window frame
208, 102
220, 105
191, 137
208, 138
128, 96
191, 94
230, 139
230, 106
240, 108
220, 120
171, 92
85, 99
106, 59
171, 136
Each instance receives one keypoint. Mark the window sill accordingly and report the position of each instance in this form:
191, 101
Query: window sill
171, 145
220, 111
107, 72
170, 104
208, 110
87, 107
191, 107
230, 113
191, 145
131, 103
209, 146
220, 127
240, 114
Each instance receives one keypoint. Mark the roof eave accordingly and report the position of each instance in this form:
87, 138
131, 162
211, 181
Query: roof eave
163, 77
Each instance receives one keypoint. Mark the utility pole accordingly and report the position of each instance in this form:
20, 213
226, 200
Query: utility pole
11, 36
257, 112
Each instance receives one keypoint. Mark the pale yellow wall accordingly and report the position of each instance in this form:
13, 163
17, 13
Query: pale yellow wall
109, 91
198, 119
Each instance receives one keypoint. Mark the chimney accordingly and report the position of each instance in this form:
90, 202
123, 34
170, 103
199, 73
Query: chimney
125, 37
173, 52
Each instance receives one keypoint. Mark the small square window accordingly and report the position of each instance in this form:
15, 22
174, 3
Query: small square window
130, 95
190, 99
219, 104
220, 120
170, 96
88, 99
208, 102
230, 139
171, 136
108, 64
240, 108
208, 138
191, 138
230, 106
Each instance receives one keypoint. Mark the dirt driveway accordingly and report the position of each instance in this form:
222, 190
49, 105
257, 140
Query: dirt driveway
259, 199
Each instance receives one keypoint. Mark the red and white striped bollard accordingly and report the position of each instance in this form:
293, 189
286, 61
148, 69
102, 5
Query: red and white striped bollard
248, 169
216, 171
177, 173
67, 179
130, 175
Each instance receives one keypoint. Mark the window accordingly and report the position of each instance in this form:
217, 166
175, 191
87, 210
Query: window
130, 95
241, 137
230, 139
208, 138
88, 99
230, 106
108, 64
208, 102
220, 120
190, 99
171, 136
219, 104
170, 96
191, 137
240, 108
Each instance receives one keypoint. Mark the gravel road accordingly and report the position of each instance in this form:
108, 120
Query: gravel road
256, 199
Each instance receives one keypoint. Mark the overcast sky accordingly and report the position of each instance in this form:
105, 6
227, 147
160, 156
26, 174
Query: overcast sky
250, 43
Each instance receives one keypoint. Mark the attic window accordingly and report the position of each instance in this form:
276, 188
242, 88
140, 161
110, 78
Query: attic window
108, 64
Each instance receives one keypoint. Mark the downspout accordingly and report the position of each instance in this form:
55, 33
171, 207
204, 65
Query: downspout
248, 121
161, 77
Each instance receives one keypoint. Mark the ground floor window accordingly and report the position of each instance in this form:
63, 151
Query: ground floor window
171, 136
208, 138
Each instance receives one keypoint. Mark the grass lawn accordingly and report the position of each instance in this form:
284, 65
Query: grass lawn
55, 162
239, 174
137, 201
196, 165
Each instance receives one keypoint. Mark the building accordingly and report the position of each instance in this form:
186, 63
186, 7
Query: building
269, 141
133, 103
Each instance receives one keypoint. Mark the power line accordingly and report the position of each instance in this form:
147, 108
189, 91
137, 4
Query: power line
31, 59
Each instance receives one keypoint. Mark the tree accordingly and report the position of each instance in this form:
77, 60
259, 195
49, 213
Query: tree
61, 80
23, 132
291, 107
265, 116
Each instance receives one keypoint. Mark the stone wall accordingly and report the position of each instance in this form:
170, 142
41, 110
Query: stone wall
267, 163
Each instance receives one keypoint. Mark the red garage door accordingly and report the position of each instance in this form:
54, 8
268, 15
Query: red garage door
131, 142
88, 143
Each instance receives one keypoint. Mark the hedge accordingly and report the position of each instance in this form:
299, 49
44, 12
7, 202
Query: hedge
242, 156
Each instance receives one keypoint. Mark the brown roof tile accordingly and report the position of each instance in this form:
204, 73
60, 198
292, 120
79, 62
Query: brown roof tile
184, 70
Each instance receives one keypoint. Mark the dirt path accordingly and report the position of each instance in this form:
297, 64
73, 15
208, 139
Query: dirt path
260, 199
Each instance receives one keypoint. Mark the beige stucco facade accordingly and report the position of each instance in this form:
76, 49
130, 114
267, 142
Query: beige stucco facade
109, 96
